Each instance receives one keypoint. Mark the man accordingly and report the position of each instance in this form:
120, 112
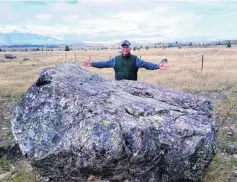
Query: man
126, 65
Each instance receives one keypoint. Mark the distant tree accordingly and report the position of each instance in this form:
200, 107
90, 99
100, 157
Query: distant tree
147, 47
141, 46
67, 48
155, 46
228, 45
0, 50
190, 44
134, 48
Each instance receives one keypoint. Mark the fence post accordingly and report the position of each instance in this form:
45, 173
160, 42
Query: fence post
202, 62
66, 56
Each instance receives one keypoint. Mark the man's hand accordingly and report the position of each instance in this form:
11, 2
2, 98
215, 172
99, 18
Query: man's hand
87, 63
163, 66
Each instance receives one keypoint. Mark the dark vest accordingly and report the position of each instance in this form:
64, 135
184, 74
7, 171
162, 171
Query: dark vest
125, 67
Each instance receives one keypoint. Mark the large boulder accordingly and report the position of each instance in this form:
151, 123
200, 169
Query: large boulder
72, 124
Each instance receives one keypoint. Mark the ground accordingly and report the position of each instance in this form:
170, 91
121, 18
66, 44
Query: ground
13, 166
217, 81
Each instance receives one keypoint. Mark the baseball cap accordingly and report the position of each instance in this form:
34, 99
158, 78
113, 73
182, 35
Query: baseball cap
125, 42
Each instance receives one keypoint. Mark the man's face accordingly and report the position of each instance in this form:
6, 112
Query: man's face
125, 49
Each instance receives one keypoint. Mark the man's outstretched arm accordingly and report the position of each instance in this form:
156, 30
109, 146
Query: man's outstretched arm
147, 65
103, 64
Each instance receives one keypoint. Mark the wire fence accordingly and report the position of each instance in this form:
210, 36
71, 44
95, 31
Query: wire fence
79, 56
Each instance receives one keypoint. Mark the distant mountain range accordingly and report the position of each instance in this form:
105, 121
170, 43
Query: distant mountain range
19, 38
29, 38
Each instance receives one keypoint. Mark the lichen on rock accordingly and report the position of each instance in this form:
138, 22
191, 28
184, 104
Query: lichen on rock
75, 124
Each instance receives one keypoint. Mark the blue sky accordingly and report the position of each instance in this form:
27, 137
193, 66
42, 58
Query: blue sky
115, 20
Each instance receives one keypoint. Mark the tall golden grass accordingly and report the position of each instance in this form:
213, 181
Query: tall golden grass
184, 73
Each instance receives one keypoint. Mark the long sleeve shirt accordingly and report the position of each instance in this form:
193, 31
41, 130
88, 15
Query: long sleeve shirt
139, 63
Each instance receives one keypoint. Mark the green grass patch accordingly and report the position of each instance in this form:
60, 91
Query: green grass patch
223, 165
24, 172
24, 176
220, 169
15, 95
5, 165
233, 162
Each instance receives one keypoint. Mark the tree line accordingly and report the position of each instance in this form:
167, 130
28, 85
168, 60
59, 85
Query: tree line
169, 45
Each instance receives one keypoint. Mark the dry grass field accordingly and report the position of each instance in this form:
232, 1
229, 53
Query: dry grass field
219, 76
219, 72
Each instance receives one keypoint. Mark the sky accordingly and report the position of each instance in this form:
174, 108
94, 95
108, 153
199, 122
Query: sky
115, 20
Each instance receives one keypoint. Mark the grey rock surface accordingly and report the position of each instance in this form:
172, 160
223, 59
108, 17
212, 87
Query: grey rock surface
72, 124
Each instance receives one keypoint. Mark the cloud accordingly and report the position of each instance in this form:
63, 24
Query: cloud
7, 13
44, 2
44, 16
36, 2
72, 18
110, 20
